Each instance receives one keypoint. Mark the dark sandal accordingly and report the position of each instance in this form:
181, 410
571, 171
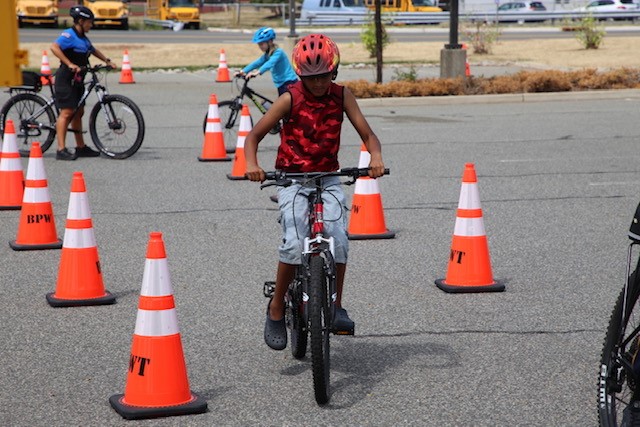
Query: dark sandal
275, 332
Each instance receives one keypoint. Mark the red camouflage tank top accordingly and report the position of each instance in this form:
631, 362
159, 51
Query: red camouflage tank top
310, 138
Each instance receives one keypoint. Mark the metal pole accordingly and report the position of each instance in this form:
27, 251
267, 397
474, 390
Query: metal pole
453, 26
378, 26
292, 18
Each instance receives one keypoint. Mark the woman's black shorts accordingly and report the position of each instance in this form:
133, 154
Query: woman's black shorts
68, 91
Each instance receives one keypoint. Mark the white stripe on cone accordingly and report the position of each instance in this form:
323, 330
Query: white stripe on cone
36, 195
35, 169
469, 227
79, 238
469, 196
156, 282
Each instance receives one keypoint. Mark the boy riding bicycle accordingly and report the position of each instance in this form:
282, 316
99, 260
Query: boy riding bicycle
312, 111
274, 60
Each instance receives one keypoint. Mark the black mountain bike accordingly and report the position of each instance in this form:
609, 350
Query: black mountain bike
310, 298
116, 124
231, 110
619, 379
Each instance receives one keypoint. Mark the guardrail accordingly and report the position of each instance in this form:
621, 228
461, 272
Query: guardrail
404, 18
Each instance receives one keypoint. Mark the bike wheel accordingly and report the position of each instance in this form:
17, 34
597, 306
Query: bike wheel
120, 132
617, 386
20, 108
296, 320
319, 324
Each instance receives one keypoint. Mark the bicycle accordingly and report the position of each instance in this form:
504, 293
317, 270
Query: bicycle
619, 379
118, 136
310, 297
230, 111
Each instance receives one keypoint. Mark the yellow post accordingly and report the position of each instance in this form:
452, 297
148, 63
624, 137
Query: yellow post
10, 56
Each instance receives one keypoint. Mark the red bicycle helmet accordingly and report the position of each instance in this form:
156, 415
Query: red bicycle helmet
315, 54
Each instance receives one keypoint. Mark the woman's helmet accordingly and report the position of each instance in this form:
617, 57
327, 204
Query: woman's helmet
81, 12
264, 34
316, 54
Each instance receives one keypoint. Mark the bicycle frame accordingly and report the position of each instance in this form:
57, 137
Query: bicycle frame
92, 85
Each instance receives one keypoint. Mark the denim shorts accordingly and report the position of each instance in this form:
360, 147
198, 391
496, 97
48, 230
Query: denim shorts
294, 219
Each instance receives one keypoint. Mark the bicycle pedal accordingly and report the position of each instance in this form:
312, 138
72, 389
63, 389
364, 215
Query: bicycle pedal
347, 332
268, 289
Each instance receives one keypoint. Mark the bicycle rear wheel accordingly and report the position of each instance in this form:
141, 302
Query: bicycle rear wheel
42, 128
320, 324
120, 132
617, 384
296, 319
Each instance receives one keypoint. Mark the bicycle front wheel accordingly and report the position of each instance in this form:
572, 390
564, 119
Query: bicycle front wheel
33, 120
296, 320
120, 131
617, 384
319, 324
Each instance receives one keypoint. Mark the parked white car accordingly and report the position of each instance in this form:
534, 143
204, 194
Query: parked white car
608, 6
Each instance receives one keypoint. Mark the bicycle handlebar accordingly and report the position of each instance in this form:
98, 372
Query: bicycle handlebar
285, 179
97, 68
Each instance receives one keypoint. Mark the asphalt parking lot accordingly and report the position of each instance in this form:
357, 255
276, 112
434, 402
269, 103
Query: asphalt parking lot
558, 178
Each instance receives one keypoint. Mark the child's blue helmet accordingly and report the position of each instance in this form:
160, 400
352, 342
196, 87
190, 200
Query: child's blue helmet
264, 34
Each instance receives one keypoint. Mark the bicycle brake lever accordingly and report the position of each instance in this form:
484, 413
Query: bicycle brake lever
278, 183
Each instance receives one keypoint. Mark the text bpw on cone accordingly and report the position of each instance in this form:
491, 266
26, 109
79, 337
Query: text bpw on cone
469, 268
37, 227
223, 71
11, 175
126, 73
239, 160
367, 215
157, 383
79, 274
213, 149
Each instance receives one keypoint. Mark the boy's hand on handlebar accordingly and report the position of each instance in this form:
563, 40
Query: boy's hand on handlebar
255, 173
376, 168
252, 74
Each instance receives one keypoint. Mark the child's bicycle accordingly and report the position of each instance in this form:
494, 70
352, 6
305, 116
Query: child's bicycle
619, 379
118, 132
231, 110
310, 298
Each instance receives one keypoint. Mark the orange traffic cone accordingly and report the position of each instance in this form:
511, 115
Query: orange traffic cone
11, 175
223, 70
213, 149
239, 160
126, 73
157, 383
469, 267
45, 69
367, 216
79, 275
37, 228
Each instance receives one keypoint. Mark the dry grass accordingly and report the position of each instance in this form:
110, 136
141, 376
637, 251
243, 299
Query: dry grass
522, 82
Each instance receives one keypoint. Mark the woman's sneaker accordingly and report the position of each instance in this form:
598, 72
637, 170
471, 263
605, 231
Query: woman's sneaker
65, 154
85, 151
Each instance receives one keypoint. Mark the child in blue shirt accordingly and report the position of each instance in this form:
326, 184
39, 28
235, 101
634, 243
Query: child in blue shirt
274, 60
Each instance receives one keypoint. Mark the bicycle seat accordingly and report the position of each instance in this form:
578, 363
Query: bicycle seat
634, 230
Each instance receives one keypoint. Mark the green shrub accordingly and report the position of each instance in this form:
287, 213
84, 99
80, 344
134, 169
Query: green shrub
590, 33
368, 37
481, 36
